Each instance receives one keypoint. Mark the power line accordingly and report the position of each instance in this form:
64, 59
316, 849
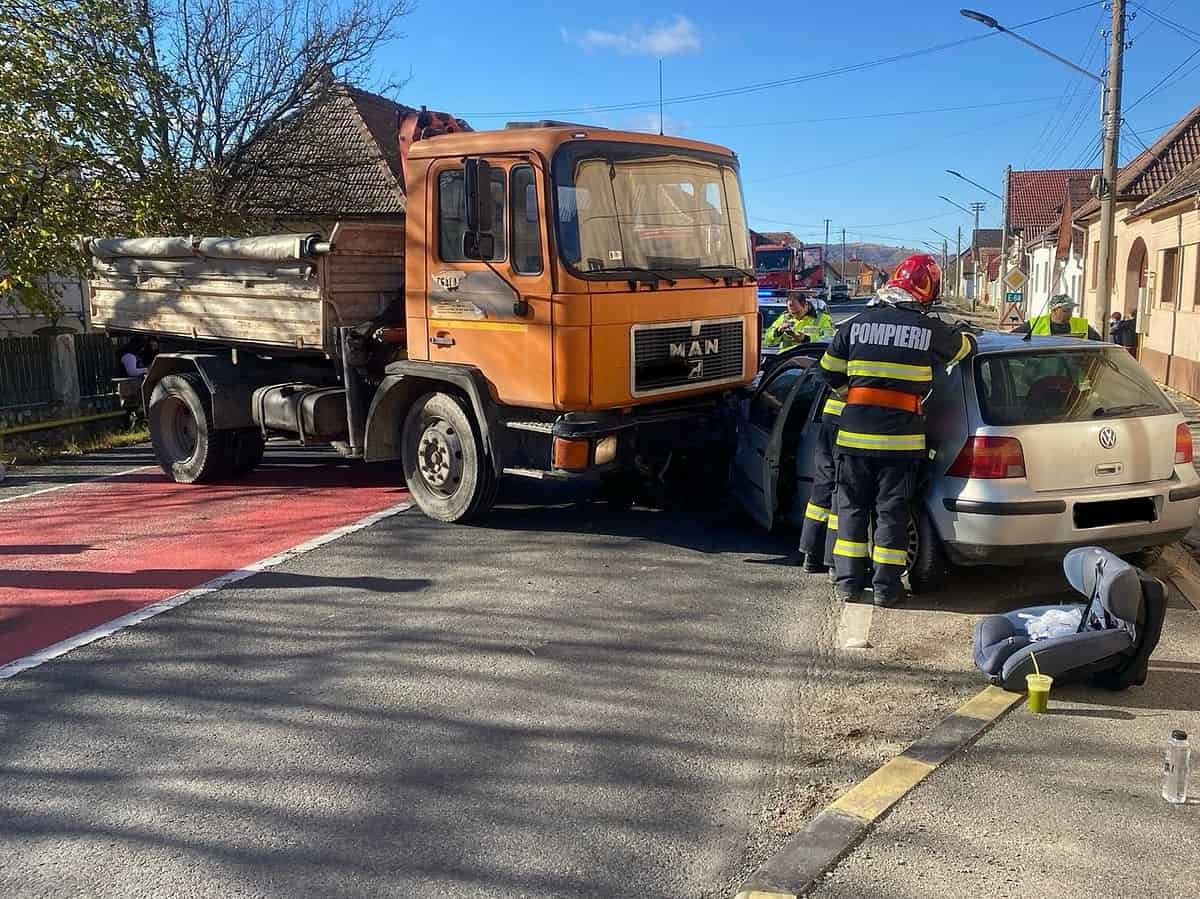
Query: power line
1181, 30
1052, 130
781, 82
877, 115
1162, 81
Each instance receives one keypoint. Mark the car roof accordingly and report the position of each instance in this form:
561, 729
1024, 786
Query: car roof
999, 341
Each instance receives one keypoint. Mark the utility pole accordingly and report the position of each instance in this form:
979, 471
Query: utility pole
1002, 301
975, 208
945, 256
844, 255
825, 264
1108, 177
958, 265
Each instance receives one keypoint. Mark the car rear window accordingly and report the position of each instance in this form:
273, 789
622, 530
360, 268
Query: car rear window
1064, 385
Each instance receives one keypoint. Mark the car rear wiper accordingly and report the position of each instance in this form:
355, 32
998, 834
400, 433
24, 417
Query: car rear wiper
1118, 410
728, 268
637, 269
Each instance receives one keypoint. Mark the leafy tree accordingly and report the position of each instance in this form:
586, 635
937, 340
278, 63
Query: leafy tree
144, 116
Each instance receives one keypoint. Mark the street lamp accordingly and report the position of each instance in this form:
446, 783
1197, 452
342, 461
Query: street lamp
952, 203
976, 183
988, 21
1110, 132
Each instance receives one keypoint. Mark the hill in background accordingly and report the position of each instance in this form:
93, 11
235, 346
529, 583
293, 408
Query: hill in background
876, 254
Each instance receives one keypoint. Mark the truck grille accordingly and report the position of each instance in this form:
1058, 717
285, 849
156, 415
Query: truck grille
670, 356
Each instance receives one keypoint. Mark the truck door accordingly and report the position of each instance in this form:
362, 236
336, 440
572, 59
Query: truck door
493, 314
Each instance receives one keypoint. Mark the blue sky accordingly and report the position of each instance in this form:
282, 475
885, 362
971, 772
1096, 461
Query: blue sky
837, 147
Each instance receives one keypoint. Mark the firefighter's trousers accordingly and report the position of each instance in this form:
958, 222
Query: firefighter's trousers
820, 501
883, 488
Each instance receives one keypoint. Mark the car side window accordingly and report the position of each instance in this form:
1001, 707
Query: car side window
770, 400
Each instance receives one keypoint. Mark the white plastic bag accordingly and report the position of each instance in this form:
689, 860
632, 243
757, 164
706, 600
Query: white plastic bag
1052, 623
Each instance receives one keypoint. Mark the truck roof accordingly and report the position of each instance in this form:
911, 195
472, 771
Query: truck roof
546, 138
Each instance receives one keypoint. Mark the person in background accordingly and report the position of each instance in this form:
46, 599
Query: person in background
134, 356
1114, 326
1060, 322
1124, 333
803, 321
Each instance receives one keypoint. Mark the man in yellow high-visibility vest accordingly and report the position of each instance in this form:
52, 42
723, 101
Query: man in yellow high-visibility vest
1060, 322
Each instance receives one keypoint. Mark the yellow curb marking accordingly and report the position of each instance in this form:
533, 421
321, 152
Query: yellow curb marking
989, 703
854, 630
883, 788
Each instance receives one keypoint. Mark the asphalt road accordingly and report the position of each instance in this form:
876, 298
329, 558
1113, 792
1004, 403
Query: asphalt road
562, 702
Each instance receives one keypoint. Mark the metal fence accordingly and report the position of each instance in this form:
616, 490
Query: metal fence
26, 378
96, 363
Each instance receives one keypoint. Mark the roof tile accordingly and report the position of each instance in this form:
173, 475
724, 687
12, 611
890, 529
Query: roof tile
1035, 196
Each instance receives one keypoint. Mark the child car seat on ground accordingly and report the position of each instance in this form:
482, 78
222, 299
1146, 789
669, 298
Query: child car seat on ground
1119, 628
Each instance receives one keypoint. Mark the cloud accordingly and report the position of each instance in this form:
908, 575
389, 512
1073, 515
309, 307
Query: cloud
664, 40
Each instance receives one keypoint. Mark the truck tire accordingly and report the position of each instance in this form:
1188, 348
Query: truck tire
927, 566
447, 472
189, 450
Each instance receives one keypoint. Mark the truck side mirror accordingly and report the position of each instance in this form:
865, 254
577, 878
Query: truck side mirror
477, 177
479, 245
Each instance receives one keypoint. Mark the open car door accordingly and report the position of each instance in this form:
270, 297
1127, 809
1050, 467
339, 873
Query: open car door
767, 421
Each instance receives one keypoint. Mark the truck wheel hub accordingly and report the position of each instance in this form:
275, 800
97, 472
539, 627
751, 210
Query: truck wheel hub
440, 457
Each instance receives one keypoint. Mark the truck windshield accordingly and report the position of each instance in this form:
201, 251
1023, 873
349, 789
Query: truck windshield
772, 260
625, 207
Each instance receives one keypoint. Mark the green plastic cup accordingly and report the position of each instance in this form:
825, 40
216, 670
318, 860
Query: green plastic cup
1039, 692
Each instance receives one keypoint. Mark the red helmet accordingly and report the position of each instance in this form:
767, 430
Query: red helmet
920, 276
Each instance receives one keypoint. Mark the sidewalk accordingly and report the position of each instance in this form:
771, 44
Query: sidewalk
1060, 805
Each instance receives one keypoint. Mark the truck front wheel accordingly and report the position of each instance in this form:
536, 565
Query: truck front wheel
189, 450
444, 464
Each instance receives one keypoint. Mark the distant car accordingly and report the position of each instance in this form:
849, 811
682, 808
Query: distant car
1039, 447
839, 293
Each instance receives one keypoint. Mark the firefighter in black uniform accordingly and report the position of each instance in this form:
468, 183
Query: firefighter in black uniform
819, 511
886, 356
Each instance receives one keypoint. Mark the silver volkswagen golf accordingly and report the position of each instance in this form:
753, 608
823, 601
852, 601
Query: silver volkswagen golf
1037, 446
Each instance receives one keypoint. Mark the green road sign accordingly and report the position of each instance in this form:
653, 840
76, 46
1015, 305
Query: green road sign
1014, 296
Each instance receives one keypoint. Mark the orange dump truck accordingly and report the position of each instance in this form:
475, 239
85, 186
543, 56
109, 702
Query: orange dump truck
558, 301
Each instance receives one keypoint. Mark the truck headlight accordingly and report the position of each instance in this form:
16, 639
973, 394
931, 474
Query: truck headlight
606, 449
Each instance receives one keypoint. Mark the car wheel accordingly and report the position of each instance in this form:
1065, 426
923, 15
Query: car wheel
1144, 558
927, 563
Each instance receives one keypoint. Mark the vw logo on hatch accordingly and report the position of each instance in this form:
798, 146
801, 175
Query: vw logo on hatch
1108, 438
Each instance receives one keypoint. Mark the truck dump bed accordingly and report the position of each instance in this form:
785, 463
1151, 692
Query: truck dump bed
281, 290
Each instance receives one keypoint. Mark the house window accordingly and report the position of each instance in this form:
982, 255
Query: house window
526, 224
452, 214
1169, 276
1095, 262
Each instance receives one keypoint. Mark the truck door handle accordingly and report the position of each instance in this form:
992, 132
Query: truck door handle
442, 340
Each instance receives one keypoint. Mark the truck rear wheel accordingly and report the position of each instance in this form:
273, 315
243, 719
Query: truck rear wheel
189, 450
444, 464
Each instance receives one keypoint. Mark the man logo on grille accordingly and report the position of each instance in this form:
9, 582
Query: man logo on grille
689, 349
696, 372
1108, 438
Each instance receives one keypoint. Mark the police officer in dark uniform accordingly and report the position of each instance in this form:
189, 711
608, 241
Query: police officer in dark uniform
819, 510
886, 356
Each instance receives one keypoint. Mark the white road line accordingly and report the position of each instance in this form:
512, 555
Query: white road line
172, 602
102, 477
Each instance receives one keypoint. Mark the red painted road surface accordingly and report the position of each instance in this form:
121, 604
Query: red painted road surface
82, 556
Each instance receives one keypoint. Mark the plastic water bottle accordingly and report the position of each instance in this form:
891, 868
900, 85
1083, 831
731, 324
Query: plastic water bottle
1175, 768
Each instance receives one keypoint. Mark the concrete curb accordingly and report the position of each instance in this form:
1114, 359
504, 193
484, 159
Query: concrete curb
848, 819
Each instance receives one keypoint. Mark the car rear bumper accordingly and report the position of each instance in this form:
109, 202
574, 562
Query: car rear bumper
1007, 524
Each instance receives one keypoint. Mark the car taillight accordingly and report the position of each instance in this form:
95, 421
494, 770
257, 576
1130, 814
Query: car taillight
989, 457
1183, 444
